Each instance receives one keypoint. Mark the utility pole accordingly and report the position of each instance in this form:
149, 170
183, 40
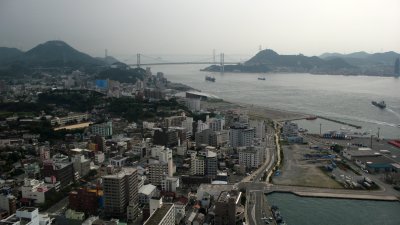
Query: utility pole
370, 145
379, 129
320, 129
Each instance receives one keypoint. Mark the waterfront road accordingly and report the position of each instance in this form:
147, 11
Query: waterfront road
258, 209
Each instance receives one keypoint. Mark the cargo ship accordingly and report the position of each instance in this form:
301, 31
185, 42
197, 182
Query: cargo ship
380, 104
208, 78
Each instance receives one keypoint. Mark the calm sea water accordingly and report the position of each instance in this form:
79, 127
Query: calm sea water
347, 98
316, 211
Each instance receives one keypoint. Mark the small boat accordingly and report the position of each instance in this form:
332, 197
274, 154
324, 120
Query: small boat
261, 78
380, 104
208, 78
311, 118
302, 130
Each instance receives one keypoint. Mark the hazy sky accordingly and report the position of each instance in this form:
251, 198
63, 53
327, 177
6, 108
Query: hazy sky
197, 27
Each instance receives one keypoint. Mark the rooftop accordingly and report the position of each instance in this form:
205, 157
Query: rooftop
226, 195
121, 173
147, 189
159, 214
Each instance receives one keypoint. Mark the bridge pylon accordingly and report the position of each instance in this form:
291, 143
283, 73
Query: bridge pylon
138, 60
222, 58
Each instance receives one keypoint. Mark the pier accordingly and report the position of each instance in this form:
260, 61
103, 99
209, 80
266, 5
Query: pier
341, 122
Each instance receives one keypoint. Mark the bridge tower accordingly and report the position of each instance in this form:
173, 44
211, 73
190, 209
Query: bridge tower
214, 56
222, 56
138, 60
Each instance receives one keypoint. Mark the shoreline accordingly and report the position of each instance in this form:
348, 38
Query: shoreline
257, 111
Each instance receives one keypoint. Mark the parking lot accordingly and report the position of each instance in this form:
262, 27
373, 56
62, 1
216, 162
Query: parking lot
299, 171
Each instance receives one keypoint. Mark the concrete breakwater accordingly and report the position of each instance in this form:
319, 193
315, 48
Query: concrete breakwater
338, 195
341, 122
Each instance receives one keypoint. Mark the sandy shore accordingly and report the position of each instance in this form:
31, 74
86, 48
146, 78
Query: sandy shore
255, 111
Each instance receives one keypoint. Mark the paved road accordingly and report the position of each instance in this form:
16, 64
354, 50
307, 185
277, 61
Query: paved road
58, 207
256, 208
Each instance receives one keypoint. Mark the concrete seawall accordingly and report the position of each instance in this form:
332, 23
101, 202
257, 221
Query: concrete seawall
340, 195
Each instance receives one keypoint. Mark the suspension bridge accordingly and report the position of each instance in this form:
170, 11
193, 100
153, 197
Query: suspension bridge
153, 61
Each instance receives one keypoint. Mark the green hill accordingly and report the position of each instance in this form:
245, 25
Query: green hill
9, 54
57, 53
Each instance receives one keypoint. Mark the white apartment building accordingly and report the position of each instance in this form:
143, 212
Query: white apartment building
35, 190
216, 123
81, 165
188, 125
157, 171
170, 184
146, 192
161, 153
118, 161
197, 166
251, 157
259, 126
241, 135
99, 158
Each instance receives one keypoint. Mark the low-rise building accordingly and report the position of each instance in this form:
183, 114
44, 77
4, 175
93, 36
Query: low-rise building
35, 190
118, 161
59, 170
71, 118
81, 165
146, 192
86, 200
27, 216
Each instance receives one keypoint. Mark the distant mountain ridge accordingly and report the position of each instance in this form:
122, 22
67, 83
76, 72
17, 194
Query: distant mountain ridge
369, 64
357, 63
362, 55
269, 61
